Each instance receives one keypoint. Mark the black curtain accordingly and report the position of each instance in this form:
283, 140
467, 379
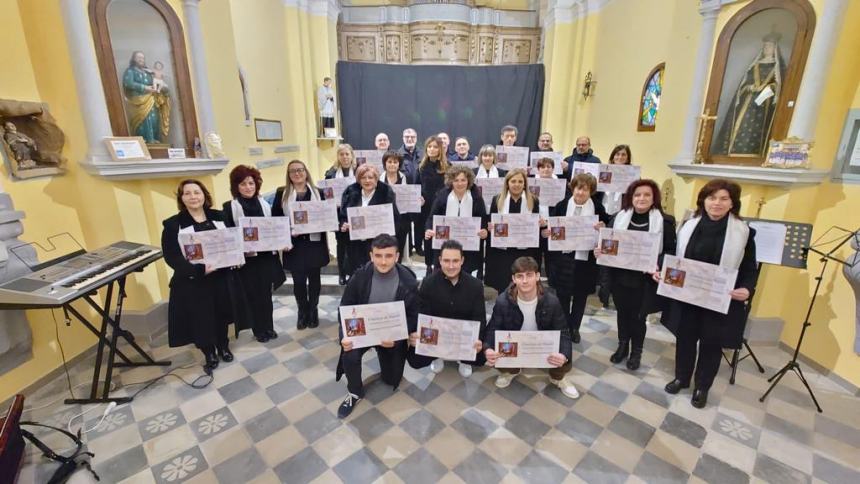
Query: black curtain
474, 102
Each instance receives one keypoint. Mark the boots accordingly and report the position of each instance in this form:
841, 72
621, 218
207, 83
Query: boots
635, 356
211, 359
302, 319
313, 315
622, 351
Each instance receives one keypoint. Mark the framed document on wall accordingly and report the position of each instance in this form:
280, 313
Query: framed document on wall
268, 130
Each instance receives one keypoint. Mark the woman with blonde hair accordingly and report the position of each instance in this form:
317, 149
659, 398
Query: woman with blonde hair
514, 198
431, 176
343, 167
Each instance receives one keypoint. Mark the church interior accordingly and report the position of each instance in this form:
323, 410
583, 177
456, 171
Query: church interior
89, 161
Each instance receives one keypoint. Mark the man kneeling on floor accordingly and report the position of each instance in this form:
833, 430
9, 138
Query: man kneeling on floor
528, 306
381, 280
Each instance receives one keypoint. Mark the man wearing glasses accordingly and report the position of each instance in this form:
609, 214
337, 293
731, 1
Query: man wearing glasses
411, 156
583, 153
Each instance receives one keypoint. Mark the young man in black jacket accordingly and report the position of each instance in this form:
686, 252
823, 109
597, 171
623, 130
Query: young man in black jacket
527, 306
450, 293
379, 281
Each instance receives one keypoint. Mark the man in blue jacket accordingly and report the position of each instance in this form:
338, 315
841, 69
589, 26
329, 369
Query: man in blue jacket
528, 306
583, 153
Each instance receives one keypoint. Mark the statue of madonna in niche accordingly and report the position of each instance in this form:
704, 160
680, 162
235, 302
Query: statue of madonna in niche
147, 98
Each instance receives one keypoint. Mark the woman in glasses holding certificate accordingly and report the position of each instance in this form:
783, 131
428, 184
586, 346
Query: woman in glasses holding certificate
366, 191
344, 167
635, 293
262, 272
310, 251
716, 235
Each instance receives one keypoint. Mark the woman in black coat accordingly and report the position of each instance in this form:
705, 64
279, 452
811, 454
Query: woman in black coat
199, 308
431, 175
262, 273
368, 190
310, 251
634, 292
514, 198
344, 167
574, 275
716, 235
460, 192
391, 161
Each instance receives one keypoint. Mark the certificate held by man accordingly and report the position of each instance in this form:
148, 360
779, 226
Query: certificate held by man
313, 216
214, 248
550, 191
462, 229
370, 221
449, 339
526, 349
629, 249
698, 283
616, 178
408, 198
511, 157
489, 188
262, 234
370, 324
572, 233
333, 188
515, 230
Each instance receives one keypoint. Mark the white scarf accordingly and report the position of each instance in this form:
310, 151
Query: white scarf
655, 223
612, 202
587, 209
399, 175
737, 233
365, 200
482, 172
315, 197
459, 208
236, 209
338, 172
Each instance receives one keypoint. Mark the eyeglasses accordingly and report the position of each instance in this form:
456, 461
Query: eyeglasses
296, 170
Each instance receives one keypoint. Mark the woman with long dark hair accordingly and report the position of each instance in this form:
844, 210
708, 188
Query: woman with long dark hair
431, 174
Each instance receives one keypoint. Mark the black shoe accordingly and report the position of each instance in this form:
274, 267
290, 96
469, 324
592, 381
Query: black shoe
635, 359
211, 360
342, 280
575, 337
622, 351
271, 334
225, 354
302, 319
700, 398
676, 386
347, 406
262, 338
313, 318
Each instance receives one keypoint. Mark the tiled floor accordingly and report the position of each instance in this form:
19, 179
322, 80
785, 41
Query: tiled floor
270, 417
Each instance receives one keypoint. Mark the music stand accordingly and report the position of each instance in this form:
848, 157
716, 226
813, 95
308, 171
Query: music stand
797, 237
818, 248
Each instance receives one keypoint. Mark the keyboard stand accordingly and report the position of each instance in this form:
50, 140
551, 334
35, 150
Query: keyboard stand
109, 343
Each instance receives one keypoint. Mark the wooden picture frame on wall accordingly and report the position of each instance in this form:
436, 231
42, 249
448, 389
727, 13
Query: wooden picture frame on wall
661, 69
268, 129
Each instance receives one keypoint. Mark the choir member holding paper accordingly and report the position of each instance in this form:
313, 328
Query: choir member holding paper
199, 308
309, 252
344, 167
715, 235
459, 199
262, 272
574, 276
431, 175
396, 179
635, 292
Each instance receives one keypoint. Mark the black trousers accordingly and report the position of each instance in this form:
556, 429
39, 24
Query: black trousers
391, 363
573, 306
420, 361
630, 316
689, 335
306, 288
342, 239
220, 331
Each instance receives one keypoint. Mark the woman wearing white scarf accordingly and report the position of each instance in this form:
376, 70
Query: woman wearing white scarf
574, 274
460, 198
262, 272
715, 235
310, 251
635, 293
344, 167
487, 164
391, 161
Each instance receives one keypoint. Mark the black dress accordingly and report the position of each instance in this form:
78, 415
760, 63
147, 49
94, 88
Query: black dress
306, 254
474, 260
499, 261
199, 308
431, 182
358, 251
254, 282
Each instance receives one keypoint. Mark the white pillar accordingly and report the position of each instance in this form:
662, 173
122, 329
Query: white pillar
88, 79
200, 75
700, 71
815, 73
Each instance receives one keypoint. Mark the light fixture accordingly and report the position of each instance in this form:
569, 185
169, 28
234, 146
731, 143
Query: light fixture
588, 86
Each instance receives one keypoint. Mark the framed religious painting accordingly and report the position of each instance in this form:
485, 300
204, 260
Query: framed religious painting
140, 48
758, 65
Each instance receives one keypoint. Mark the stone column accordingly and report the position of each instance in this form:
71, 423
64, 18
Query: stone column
817, 66
200, 74
88, 81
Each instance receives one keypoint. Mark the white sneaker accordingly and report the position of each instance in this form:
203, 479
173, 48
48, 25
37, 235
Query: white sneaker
566, 386
437, 365
465, 370
504, 379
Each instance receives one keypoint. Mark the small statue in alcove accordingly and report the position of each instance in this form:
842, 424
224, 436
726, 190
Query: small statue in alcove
23, 147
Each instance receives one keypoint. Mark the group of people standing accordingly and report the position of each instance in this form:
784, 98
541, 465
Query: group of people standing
204, 301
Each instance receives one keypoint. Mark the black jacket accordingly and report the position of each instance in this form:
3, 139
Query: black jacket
409, 166
456, 157
352, 198
574, 157
440, 203
438, 297
306, 254
508, 317
570, 275
431, 182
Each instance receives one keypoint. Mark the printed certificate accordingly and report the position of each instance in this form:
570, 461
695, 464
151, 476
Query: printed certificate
516, 230
526, 349
370, 221
470, 164
333, 188
582, 167
489, 188
555, 156
616, 178
313, 216
408, 198
216, 248
549, 191
462, 229
572, 233
449, 339
373, 157
370, 324
629, 249
511, 157
262, 234
698, 283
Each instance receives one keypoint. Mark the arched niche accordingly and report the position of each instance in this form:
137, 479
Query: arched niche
763, 46
120, 29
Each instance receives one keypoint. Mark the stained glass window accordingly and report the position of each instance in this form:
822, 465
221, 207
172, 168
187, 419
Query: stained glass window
650, 102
